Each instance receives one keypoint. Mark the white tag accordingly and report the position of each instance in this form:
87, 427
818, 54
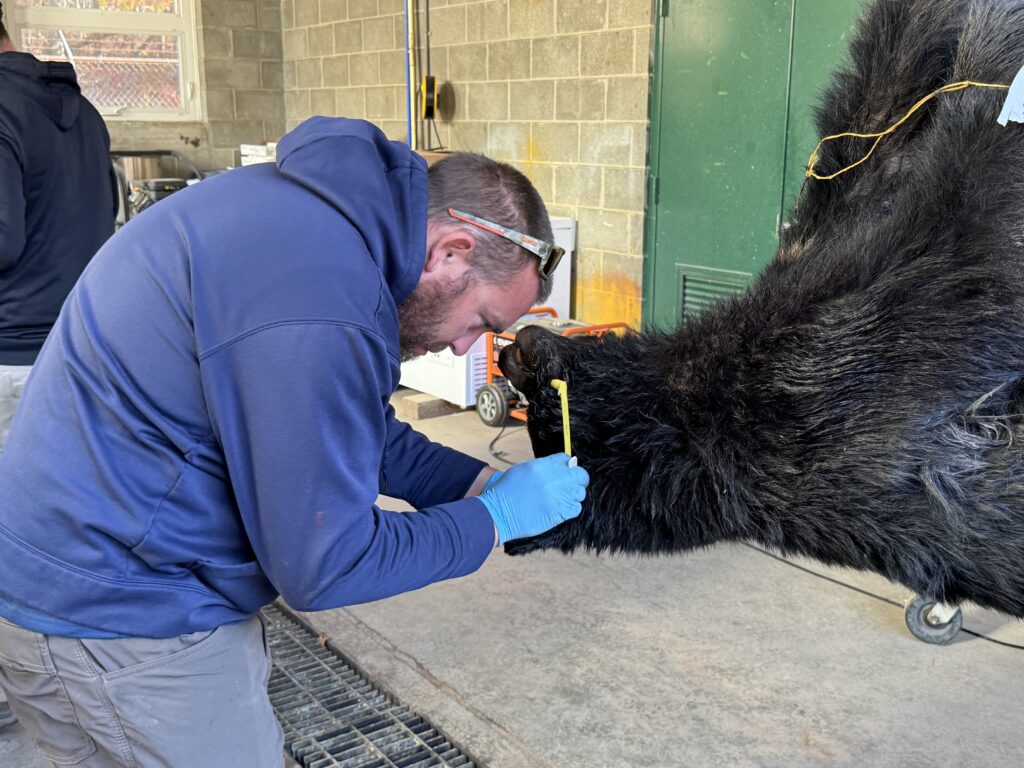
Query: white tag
1013, 109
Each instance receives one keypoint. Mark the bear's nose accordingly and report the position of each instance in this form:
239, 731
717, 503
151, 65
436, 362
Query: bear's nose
519, 364
510, 361
527, 339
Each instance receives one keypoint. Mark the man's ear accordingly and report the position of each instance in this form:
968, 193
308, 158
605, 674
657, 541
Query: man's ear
452, 248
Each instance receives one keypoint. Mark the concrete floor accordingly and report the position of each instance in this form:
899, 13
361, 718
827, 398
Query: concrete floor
719, 658
17, 749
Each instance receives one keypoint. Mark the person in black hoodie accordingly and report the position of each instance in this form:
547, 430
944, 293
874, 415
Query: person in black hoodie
57, 204
57, 207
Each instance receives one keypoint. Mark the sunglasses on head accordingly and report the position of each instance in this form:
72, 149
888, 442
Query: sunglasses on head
548, 253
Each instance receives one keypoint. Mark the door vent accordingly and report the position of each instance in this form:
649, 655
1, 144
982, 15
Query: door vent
701, 287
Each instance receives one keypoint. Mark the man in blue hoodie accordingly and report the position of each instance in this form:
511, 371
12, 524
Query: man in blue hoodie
56, 209
217, 390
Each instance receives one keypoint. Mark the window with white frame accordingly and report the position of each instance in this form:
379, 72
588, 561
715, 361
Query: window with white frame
135, 59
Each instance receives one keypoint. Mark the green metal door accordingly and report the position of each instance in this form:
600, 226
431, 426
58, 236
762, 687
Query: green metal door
735, 82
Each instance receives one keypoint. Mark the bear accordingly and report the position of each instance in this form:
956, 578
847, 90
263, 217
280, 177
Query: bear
862, 403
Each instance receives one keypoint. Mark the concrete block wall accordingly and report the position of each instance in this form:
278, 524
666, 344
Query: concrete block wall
559, 88
241, 83
242, 59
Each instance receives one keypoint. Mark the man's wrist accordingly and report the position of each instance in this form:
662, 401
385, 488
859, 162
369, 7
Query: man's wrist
478, 485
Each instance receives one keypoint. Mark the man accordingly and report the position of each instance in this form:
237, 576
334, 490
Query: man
216, 391
57, 204
56, 209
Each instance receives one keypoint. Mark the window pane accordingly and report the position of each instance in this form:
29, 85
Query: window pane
132, 6
117, 70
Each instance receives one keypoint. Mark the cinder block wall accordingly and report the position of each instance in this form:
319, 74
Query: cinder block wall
241, 82
242, 61
559, 88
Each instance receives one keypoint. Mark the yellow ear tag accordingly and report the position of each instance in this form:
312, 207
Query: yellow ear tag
563, 392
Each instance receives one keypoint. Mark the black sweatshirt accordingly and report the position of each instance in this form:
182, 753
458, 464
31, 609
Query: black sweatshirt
57, 199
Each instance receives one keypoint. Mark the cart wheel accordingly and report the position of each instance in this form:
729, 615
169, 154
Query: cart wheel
929, 627
492, 405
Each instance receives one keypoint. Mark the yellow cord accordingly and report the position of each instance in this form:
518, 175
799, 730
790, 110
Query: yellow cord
563, 392
879, 136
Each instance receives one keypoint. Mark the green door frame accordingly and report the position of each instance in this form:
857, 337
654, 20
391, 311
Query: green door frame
822, 34
653, 153
660, 11
654, 147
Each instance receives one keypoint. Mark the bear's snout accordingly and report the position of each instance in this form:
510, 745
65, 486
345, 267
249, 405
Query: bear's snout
521, 361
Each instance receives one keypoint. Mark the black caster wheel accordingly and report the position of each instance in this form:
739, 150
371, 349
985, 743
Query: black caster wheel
492, 405
931, 627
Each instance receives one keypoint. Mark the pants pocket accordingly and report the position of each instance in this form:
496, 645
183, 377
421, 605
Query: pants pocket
206, 704
38, 697
266, 648
126, 656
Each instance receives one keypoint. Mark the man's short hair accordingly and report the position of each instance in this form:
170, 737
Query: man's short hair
496, 191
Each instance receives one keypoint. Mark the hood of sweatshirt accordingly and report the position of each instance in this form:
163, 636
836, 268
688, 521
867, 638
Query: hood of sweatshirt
379, 185
50, 85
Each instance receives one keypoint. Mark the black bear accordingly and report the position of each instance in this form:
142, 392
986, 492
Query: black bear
863, 402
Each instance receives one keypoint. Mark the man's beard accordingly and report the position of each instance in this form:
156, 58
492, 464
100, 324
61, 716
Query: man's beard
424, 312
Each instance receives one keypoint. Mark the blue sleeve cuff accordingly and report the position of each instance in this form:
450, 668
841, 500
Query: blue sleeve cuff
448, 480
478, 528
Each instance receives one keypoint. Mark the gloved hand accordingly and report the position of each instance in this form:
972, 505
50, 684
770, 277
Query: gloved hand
535, 496
492, 480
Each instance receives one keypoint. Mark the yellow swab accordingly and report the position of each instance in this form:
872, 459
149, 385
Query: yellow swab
563, 392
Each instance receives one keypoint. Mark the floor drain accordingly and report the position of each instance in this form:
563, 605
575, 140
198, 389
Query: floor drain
333, 716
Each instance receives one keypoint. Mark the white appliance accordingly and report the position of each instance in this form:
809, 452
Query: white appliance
457, 379
564, 230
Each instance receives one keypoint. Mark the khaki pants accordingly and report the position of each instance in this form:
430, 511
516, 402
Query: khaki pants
191, 701
12, 381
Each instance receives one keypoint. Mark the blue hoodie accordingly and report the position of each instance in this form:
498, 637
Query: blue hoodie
208, 426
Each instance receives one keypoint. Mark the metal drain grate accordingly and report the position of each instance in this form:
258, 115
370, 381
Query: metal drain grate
333, 716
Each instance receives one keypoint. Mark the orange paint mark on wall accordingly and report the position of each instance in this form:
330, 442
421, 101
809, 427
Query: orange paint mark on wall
587, 282
534, 151
613, 299
621, 285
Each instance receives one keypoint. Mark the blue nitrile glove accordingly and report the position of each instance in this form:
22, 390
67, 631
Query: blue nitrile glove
492, 480
535, 496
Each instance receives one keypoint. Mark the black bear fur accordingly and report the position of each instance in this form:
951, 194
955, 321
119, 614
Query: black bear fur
863, 402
